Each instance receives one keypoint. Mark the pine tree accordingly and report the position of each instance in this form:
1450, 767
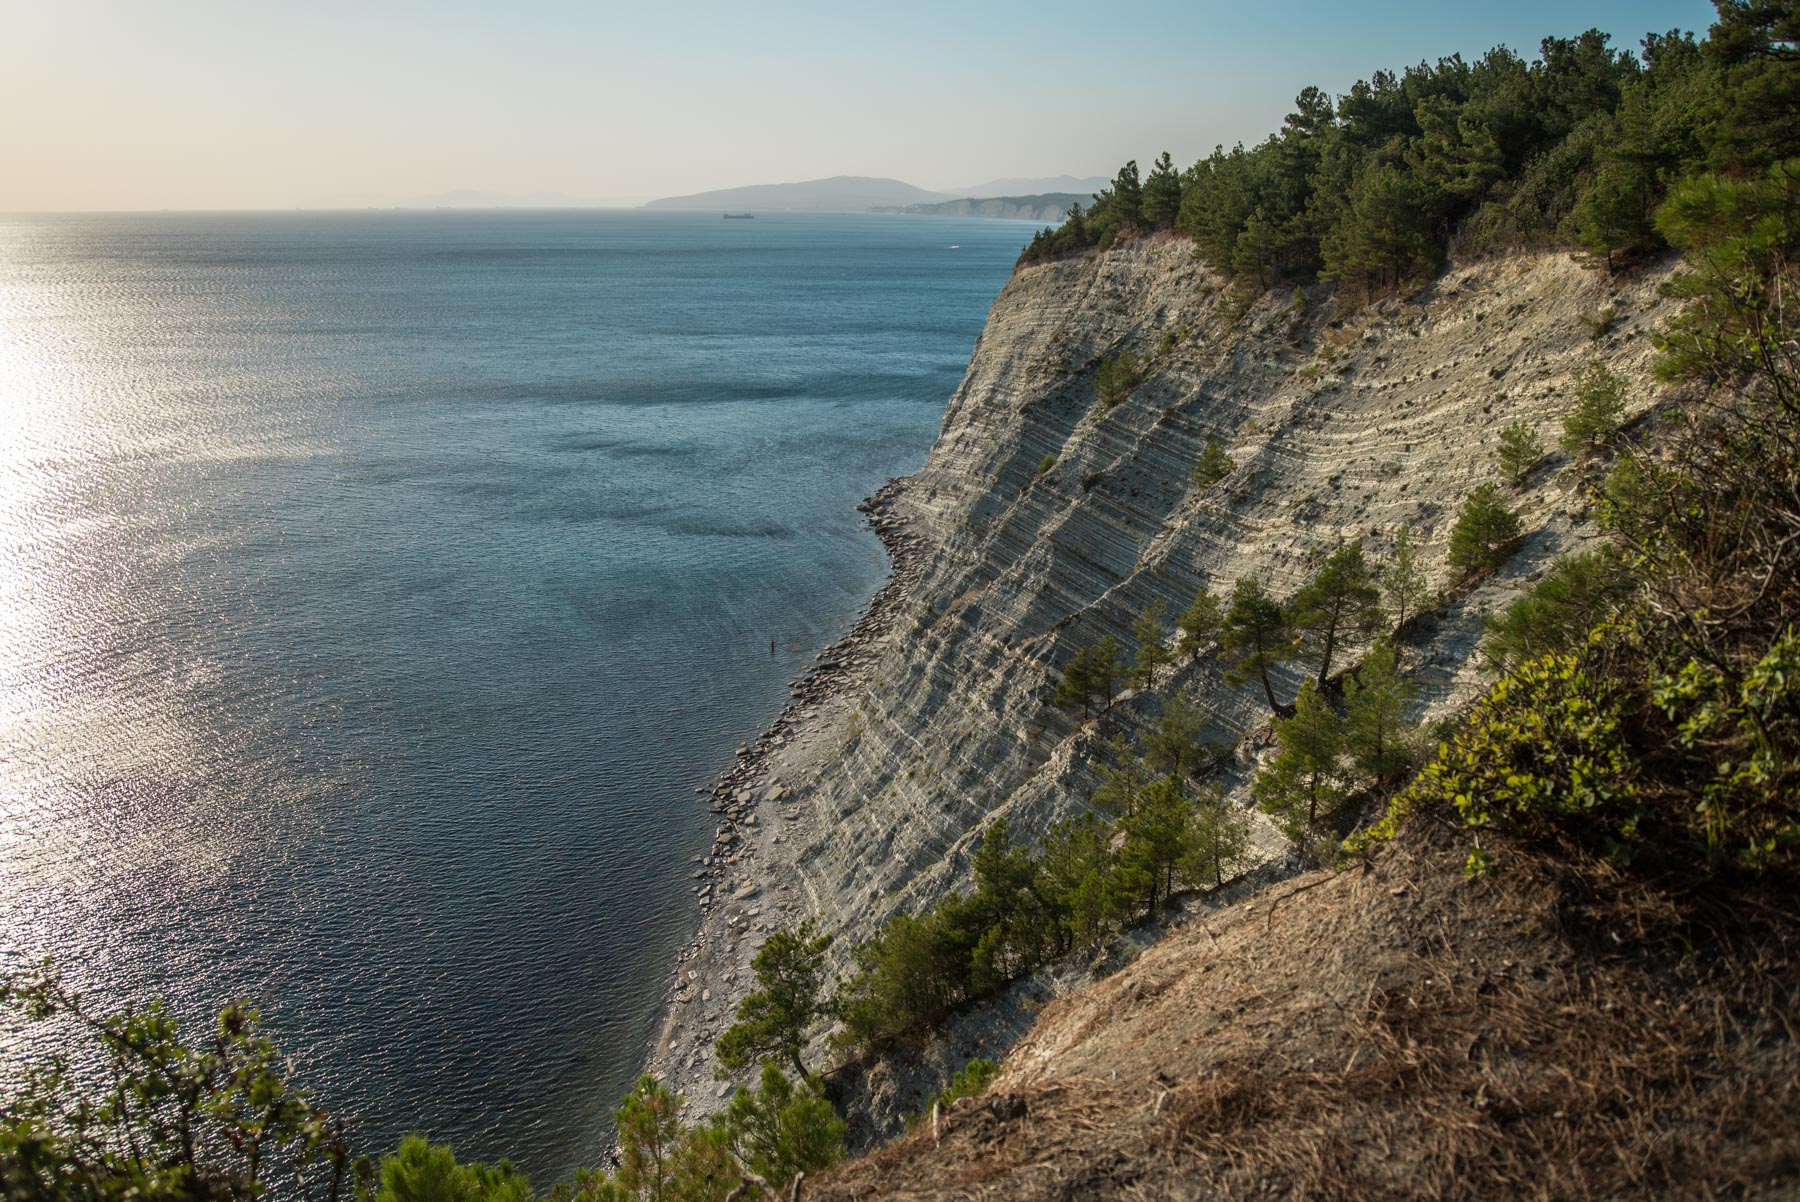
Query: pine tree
1599, 407
1126, 196
1157, 840
1303, 782
1092, 674
773, 1018
1519, 451
1122, 780
1214, 465
1199, 625
648, 1127
781, 1129
1342, 599
1162, 192
1612, 213
1377, 700
1457, 155
1257, 638
1174, 747
1218, 835
1485, 530
1387, 232
1404, 580
1152, 653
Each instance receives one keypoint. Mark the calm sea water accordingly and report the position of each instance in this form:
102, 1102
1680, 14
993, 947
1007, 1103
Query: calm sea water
375, 589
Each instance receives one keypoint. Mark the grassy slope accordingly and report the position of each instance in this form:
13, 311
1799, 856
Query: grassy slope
1395, 1030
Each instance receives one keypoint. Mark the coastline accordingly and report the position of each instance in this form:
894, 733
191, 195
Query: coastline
745, 887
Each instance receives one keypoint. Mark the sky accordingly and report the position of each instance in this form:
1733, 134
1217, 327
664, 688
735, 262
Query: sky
227, 104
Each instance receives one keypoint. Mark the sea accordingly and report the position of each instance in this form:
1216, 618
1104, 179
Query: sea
377, 588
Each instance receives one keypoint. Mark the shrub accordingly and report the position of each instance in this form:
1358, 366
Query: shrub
1484, 533
1599, 408
1543, 754
1214, 465
1558, 612
1117, 376
1600, 324
1045, 464
1519, 451
1749, 722
969, 1082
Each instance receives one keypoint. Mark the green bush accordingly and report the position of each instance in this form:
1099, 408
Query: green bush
1484, 533
1519, 450
1117, 376
970, 1081
1599, 408
1600, 324
1214, 465
1559, 611
1543, 755
1045, 464
1747, 723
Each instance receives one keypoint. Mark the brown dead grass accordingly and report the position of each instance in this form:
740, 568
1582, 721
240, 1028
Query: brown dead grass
1395, 1031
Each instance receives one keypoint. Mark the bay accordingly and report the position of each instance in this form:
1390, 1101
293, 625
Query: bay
376, 588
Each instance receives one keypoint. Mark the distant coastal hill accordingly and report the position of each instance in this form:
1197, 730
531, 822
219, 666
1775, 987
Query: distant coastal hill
1046, 206
840, 192
1021, 199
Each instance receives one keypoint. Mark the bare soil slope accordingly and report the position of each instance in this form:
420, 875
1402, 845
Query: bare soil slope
1397, 1031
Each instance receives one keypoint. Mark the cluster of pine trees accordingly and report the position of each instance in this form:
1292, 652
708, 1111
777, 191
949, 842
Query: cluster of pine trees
1577, 147
1157, 825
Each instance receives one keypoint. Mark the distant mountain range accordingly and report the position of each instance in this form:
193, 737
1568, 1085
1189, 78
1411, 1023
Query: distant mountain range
1084, 189
1045, 206
840, 192
856, 193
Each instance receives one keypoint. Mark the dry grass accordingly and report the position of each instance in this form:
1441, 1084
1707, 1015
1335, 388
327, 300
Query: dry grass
1398, 1032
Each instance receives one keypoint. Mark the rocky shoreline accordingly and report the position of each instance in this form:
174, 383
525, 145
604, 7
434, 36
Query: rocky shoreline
745, 886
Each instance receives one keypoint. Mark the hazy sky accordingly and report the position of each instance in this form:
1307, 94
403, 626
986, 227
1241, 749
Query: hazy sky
145, 104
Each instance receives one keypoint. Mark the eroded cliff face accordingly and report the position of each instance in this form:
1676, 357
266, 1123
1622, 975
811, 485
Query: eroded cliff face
1343, 423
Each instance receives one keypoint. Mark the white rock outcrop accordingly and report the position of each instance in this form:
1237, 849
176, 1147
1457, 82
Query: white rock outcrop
1343, 423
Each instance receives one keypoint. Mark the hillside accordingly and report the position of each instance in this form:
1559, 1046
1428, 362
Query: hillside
1343, 423
1396, 1031
1082, 186
839, 193
1048, 206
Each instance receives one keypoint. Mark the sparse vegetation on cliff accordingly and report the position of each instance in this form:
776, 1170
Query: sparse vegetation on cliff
1627, 789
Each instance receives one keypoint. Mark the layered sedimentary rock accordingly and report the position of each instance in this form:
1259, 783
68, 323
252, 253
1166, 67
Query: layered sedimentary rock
1048, 521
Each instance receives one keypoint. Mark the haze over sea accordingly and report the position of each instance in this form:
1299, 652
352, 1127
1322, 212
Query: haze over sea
376, 588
